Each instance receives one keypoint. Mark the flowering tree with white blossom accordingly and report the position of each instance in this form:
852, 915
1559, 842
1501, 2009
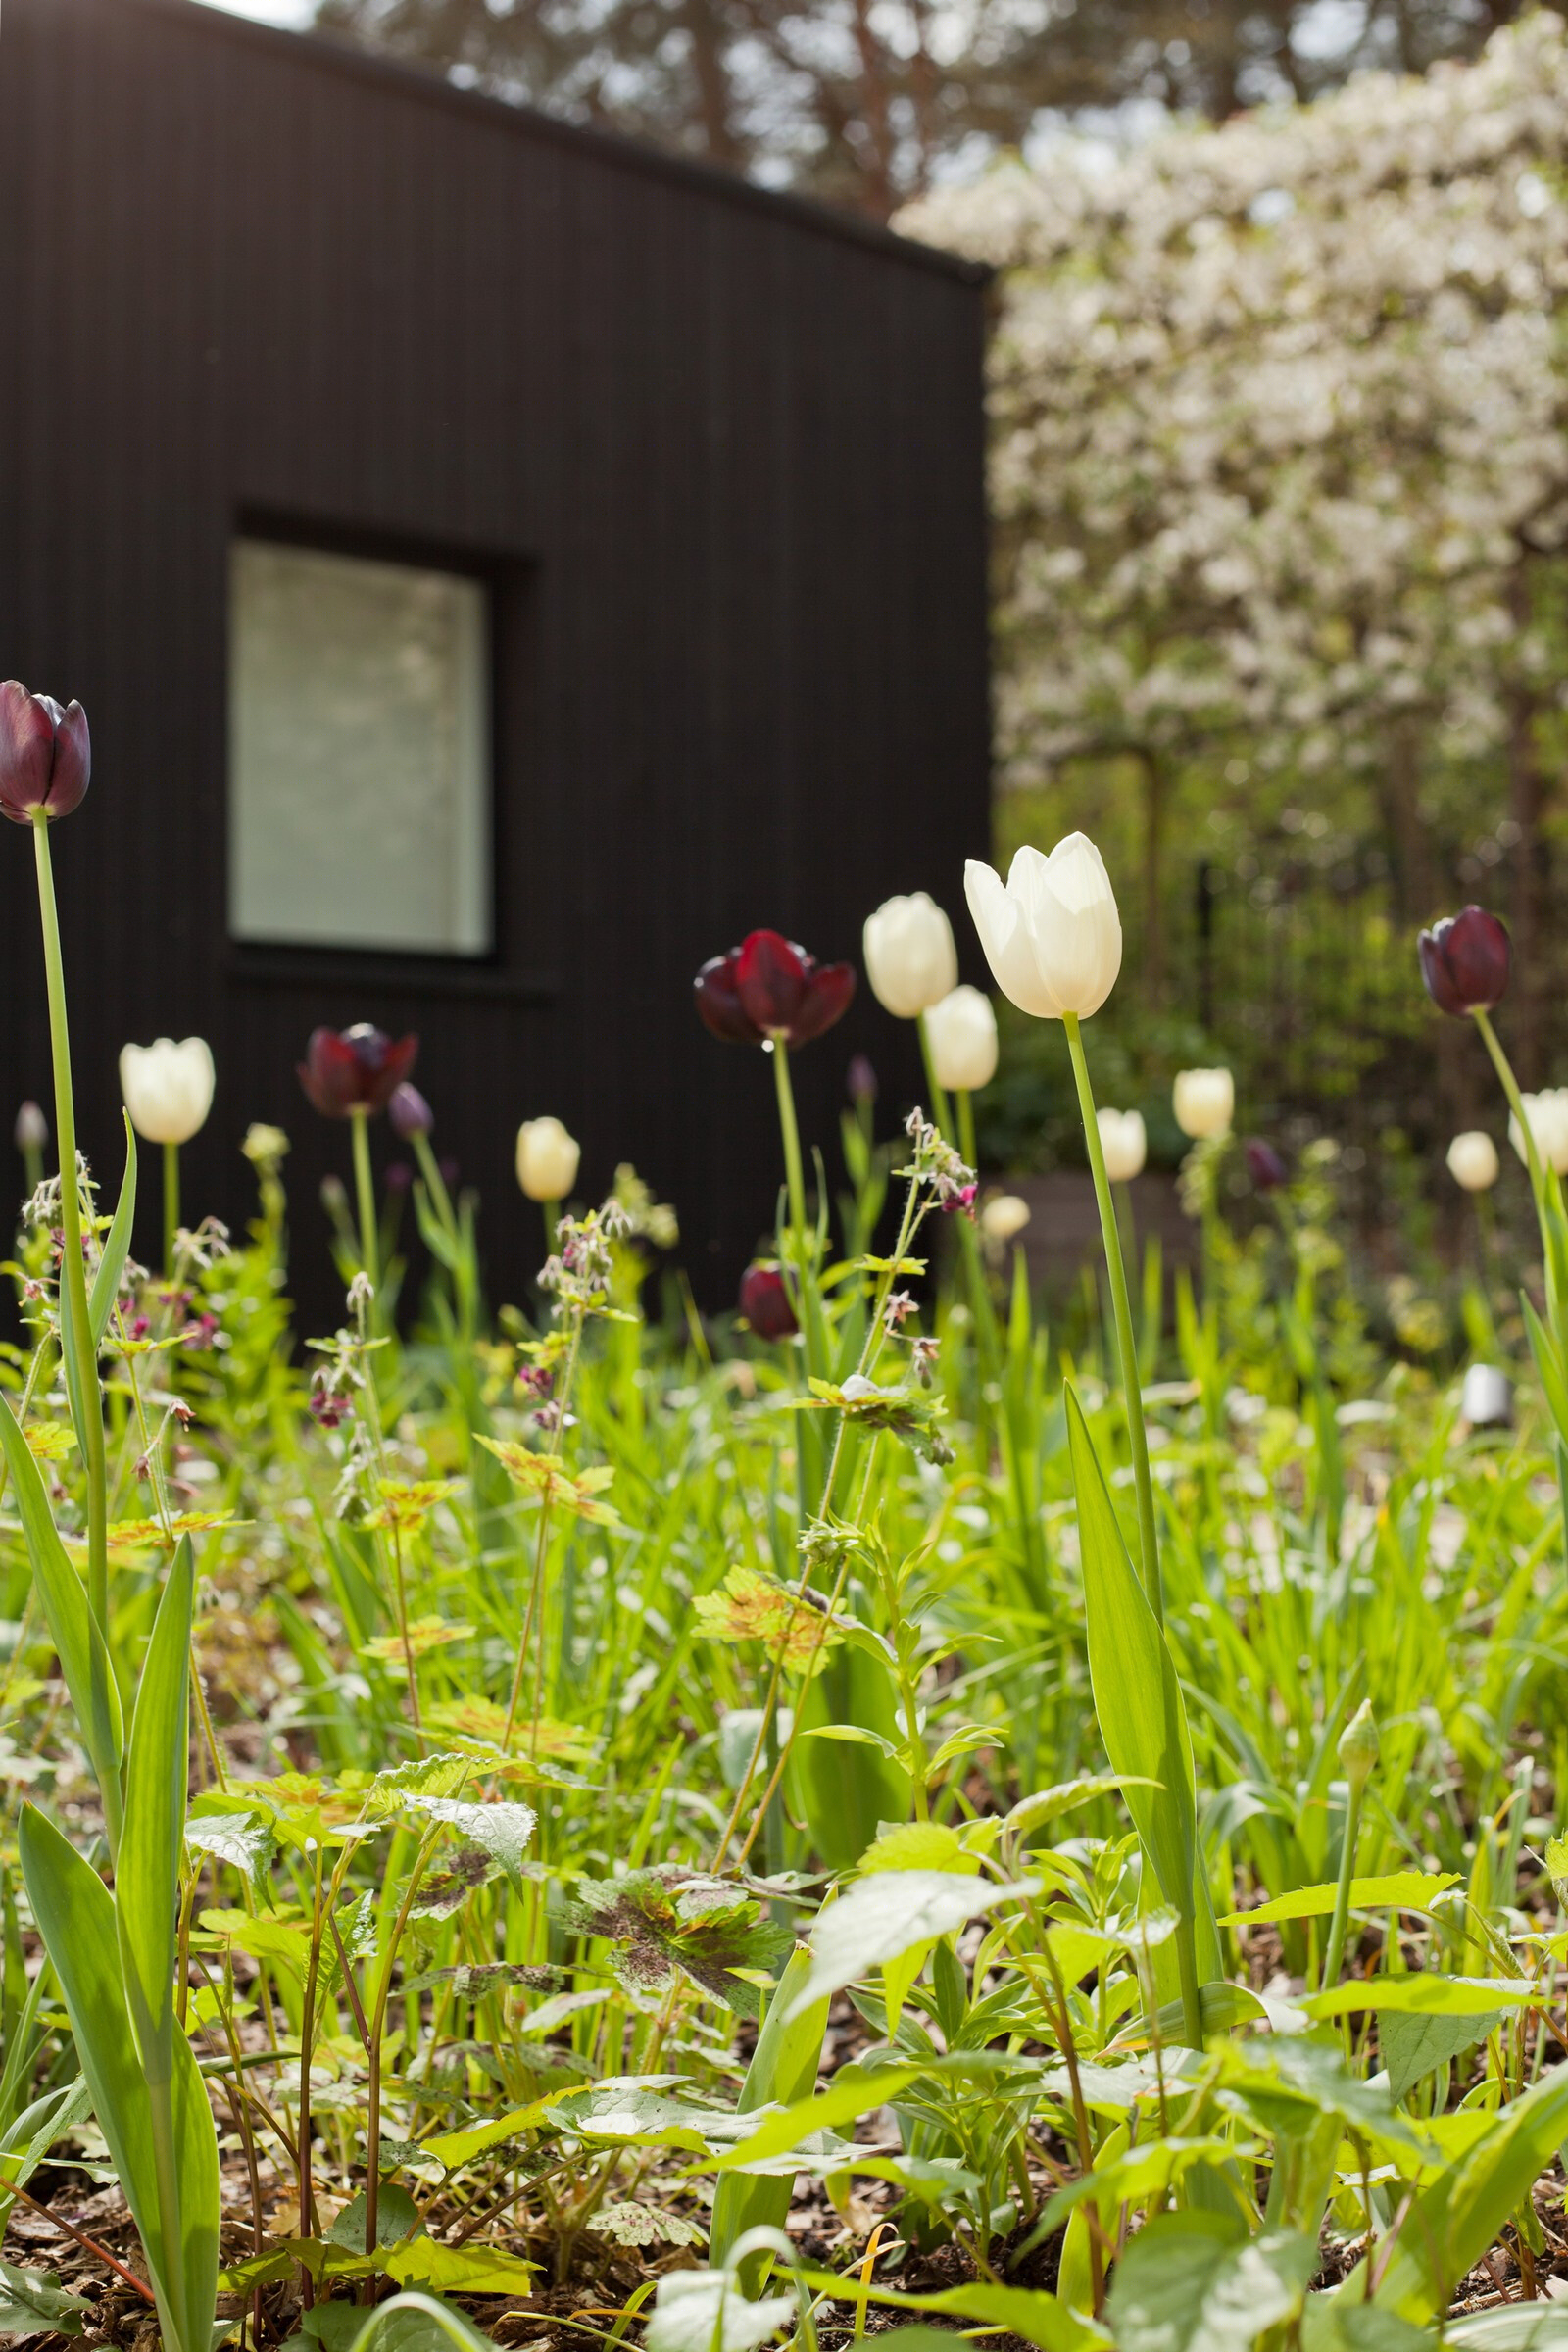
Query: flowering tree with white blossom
1280, 470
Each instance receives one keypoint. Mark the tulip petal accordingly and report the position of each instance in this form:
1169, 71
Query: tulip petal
719, 1002
1077, 931
998, 918
828, 990
770, 977
72, 762
27, 752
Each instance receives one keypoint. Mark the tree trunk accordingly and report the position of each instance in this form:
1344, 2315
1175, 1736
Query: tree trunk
1156, 785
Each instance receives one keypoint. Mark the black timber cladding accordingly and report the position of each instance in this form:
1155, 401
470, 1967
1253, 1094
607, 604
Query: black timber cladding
720, 456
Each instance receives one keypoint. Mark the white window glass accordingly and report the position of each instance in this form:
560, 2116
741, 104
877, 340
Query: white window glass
359, 748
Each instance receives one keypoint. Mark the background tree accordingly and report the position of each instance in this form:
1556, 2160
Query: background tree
868, 102
1280, 481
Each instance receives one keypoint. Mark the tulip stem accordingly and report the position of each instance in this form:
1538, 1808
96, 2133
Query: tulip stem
966, 1150
940, 1109
1544, 1218
171, 1205
365, 1188
794, 1173
1510, 1087
1126, 1347
83, 1389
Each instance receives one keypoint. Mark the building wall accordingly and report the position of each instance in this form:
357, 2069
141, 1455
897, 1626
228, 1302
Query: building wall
721, 457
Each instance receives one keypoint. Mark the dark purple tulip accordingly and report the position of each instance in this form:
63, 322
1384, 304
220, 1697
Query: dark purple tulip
399, 1176
1264, 1165
45, 756
770, 988
1465, 962
355, 1069
860, 1079
765, 1303
408, 1111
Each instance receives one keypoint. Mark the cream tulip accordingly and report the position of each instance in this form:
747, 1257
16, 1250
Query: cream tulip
910, 959
547, 1159
1548, 1113
961, 1032
1124, 1141
167, 1088
1003, 1216
1473, 1160
1051, 933
1204, 1102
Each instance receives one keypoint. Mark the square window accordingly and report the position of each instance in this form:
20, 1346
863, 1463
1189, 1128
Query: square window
360, 753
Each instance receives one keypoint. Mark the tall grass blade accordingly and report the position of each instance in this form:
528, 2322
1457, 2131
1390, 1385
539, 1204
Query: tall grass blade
77, 1637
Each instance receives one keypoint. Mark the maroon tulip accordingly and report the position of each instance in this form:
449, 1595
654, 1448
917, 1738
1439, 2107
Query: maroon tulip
1264, 1165
770, 988
45, 756
1465, 962
765, 1303
408, 1111
355, 1069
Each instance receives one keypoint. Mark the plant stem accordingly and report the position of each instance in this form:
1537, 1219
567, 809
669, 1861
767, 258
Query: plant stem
171, 1205
1544, 1214
794, 1173
1126, 1344
365, 1189
941, 1110
1334, 1950
73, 1312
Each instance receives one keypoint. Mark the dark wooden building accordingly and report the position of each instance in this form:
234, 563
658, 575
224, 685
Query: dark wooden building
501, 565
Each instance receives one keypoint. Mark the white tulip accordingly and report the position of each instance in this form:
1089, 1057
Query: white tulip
1473, 1160
167, 1088
1204, 1102
910, 959
1124, 1141
1548, 1113
961, 1032
547, 1159
1003, 1215
1051, 933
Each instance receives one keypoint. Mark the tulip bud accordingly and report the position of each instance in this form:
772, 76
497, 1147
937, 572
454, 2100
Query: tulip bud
355, 1069
167, 1088
1204, 1102
263, 1145
961, 1032
910, 959
547, 1159
1003, 1216
45, 756
1358, 1745
408, 1111
31, 1128
1052, 933
1264, 1165
765, 1303
860, 1079
1473, 1160
1548, 1114
1124, 1141
1465, 962
399, 1177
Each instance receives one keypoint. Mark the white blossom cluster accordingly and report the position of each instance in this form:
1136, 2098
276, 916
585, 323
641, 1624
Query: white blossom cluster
1281, 420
